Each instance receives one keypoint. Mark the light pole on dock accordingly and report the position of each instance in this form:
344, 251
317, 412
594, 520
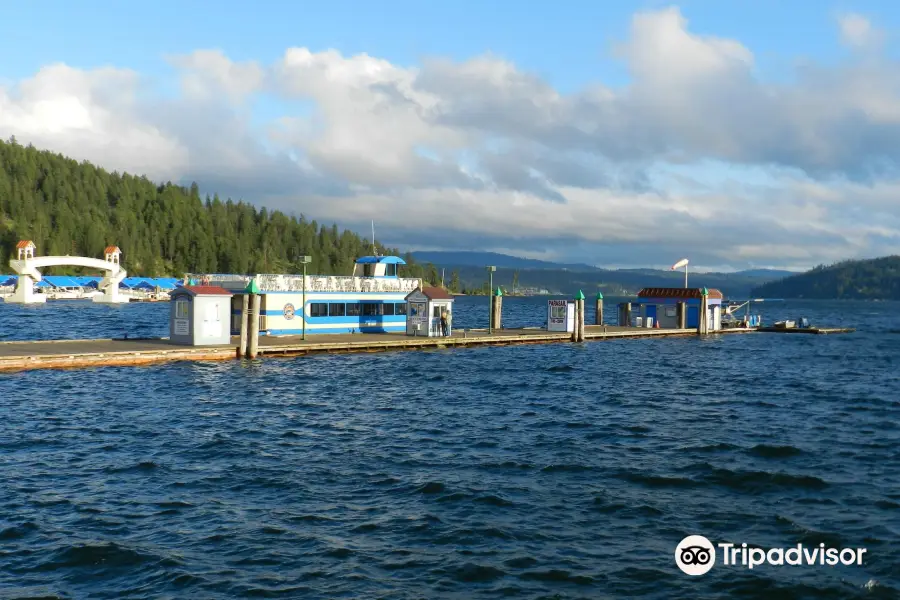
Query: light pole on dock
304, 260
490, 270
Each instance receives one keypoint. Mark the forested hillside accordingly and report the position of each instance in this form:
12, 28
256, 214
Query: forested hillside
875, 279
67, 207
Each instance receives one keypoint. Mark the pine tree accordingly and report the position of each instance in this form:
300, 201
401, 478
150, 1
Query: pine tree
67, 207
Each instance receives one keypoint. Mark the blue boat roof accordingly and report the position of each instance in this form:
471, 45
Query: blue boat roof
62, 281
165, 283
388, 260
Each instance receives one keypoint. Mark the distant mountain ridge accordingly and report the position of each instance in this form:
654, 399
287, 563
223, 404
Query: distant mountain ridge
871, 279
517, 273
440, 258
483, 259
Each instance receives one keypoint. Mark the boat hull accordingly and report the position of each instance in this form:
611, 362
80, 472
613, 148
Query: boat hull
284, 313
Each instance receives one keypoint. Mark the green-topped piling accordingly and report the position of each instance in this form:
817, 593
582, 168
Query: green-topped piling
497, 309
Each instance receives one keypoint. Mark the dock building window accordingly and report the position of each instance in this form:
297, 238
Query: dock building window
181, 309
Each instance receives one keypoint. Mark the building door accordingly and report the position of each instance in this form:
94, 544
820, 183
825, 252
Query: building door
212, 325
693, 316
650, 312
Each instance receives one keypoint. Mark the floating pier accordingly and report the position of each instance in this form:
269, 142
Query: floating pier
68, 354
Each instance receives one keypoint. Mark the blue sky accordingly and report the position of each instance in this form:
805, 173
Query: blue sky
567, 43
765, 156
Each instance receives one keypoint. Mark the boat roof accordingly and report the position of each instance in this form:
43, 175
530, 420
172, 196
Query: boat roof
388, 260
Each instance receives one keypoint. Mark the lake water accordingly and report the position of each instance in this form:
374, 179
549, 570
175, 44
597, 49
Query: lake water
554, 471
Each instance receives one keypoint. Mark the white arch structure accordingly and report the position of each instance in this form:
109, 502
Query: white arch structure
27, 269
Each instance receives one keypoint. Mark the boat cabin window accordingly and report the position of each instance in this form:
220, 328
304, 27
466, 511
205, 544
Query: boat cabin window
368, 270
336, 309
390, 270
370, 309
353, 309
400, 308
388, 309
318, 309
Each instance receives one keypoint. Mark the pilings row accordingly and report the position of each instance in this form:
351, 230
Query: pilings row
578, 331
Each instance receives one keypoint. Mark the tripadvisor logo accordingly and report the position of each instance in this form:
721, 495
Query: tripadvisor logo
696, 555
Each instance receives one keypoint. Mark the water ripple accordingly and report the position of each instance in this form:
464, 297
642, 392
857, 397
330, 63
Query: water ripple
564, 471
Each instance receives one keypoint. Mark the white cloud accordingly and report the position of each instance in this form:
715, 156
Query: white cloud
482, 154
858, 32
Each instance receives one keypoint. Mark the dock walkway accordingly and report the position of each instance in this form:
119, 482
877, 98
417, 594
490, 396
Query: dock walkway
62, 354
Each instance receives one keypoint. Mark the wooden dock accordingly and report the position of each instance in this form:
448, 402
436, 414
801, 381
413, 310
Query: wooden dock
67, 354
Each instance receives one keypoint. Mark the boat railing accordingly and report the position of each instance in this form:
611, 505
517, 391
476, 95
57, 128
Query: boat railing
315, 283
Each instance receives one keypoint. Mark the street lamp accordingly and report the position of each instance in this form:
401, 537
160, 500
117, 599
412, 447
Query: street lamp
490, 270
304, 260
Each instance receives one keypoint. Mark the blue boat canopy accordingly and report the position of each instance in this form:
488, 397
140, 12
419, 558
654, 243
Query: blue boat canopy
387, 260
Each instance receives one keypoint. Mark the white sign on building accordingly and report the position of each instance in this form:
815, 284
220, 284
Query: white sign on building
560, 315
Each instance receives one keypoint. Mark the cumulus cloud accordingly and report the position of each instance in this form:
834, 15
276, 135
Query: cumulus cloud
858, 32
483, 154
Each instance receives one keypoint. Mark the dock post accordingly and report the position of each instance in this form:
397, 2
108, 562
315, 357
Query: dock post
681, 314
703, 325
627, 314
245, 307
598, 315
253, 349
497, 309
578, 333
252, 319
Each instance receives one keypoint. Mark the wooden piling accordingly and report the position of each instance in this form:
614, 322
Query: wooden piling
581, 319
578, 330
598, 315
253, 345
497, 309
242, 349
575, 328
703, 321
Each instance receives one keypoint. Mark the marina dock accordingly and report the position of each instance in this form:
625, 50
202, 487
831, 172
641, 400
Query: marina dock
67, 354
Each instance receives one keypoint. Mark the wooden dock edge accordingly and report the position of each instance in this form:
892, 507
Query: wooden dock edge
112, 359
148, 357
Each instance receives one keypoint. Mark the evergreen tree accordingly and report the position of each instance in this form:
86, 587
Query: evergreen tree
67, 207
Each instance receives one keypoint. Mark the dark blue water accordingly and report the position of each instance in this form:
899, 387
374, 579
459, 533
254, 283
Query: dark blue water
558, 471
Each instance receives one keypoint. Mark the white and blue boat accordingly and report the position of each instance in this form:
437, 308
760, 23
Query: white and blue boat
371, 300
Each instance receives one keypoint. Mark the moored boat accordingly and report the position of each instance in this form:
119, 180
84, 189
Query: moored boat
370, 300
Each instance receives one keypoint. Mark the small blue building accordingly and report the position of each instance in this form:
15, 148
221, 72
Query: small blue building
662, 305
